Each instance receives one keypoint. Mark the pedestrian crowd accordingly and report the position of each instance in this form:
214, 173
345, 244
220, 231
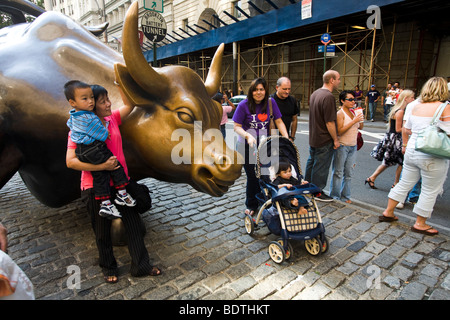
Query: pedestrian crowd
333, 139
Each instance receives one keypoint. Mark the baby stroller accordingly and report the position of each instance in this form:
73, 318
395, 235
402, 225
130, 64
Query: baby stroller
274, 204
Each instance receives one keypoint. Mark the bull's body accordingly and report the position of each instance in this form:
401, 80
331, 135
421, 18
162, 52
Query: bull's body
37, 59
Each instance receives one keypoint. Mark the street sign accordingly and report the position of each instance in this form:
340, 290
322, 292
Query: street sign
330, 48
154, 5
325, 38
154, 26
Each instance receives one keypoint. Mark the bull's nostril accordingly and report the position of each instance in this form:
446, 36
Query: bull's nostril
223, 162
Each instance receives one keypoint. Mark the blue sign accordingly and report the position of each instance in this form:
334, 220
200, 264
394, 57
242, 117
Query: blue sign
325, 38
331, 48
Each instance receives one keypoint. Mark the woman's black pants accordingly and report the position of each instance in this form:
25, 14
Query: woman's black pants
135, 231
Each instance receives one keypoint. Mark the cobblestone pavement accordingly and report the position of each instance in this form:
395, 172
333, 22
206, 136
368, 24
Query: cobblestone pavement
202, 247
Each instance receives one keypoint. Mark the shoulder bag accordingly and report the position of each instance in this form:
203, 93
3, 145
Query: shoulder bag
359, 141
271, 120
432, 140
141, 193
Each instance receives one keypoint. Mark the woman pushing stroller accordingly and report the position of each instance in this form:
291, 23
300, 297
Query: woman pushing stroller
251, 122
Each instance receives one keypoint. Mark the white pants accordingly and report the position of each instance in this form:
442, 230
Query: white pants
433, 172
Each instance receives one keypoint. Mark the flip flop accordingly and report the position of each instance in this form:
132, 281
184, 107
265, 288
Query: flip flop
425, 231
111, 279
155, 272
249, 212
383, 218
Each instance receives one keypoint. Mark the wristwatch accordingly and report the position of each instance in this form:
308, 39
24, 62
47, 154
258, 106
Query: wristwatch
293, 138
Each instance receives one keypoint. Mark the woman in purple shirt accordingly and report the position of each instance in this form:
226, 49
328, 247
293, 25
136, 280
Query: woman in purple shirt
251, 123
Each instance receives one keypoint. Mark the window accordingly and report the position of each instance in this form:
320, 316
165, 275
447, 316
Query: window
236, 12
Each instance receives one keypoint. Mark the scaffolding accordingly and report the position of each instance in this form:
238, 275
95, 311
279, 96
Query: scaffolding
400, 51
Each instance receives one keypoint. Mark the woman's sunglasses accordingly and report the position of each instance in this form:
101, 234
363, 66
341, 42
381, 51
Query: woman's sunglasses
350, 99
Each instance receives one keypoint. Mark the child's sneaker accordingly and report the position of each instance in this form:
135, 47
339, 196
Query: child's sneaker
109, 211
125, 200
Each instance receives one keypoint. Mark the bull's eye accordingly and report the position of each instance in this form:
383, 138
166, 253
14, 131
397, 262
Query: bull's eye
185, 117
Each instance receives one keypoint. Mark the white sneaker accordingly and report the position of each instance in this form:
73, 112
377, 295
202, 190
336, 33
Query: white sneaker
125, 200
400, 205
109, 211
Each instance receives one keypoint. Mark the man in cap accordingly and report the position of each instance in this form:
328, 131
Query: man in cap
372, 98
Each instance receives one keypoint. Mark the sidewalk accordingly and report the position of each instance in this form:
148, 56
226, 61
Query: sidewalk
202, 247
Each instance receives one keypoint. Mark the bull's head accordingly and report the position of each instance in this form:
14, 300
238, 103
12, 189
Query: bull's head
168, 99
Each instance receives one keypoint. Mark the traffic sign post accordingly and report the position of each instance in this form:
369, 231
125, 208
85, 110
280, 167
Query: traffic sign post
154, 28
154, 5
325, 39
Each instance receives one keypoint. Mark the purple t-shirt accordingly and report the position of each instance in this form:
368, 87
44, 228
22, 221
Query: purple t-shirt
256, 124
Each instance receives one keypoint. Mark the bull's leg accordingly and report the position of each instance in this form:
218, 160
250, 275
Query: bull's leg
10, 162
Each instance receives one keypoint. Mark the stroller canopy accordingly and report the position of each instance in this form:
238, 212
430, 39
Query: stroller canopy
271, 151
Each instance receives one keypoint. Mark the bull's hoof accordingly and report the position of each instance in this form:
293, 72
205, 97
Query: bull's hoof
118, 233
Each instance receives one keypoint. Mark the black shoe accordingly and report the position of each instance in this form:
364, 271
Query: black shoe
324, 198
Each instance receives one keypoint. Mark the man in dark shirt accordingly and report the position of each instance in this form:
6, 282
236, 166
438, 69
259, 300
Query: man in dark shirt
372, 98
287, 105
323, 139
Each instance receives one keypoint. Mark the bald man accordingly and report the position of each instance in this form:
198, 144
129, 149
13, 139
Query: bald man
287, 105
323, 139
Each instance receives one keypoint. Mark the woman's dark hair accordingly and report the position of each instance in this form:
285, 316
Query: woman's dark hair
343, 95
98, 91
251, 101
283, 165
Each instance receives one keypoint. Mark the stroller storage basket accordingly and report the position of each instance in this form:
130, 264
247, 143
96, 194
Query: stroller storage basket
299, 222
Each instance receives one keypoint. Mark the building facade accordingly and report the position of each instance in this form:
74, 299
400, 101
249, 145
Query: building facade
408, 43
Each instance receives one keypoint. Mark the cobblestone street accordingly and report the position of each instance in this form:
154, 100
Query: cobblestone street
205, 253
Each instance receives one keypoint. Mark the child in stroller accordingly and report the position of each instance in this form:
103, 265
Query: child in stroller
275, 203
285, 179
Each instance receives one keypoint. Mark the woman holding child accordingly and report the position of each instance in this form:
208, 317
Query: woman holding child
140, 263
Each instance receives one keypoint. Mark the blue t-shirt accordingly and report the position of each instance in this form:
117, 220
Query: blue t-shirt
257, 124
373, 95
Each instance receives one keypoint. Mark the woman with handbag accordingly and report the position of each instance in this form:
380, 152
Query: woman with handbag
140, 262
344, 160
389, 149
432, 169
253, 120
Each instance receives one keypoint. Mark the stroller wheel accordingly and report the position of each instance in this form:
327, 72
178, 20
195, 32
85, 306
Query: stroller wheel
324, 245
290, 251
276, 252
314, 246
249, 224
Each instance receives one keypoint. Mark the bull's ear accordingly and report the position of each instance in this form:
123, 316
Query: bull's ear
130, 88
214, 78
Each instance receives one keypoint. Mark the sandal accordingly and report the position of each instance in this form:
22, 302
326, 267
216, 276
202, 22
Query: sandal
384, 218
155, 272
426, 231
111, 279
249, 212
371, 183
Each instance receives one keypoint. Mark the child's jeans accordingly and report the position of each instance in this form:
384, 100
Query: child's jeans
96, 153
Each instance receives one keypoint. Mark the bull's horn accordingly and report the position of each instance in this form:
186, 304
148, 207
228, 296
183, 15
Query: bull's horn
147, 78
214, 78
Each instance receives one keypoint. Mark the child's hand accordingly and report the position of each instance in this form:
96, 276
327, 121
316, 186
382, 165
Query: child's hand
305, 182
294, 202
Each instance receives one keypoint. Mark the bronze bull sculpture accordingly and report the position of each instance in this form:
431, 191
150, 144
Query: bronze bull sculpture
37, 59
